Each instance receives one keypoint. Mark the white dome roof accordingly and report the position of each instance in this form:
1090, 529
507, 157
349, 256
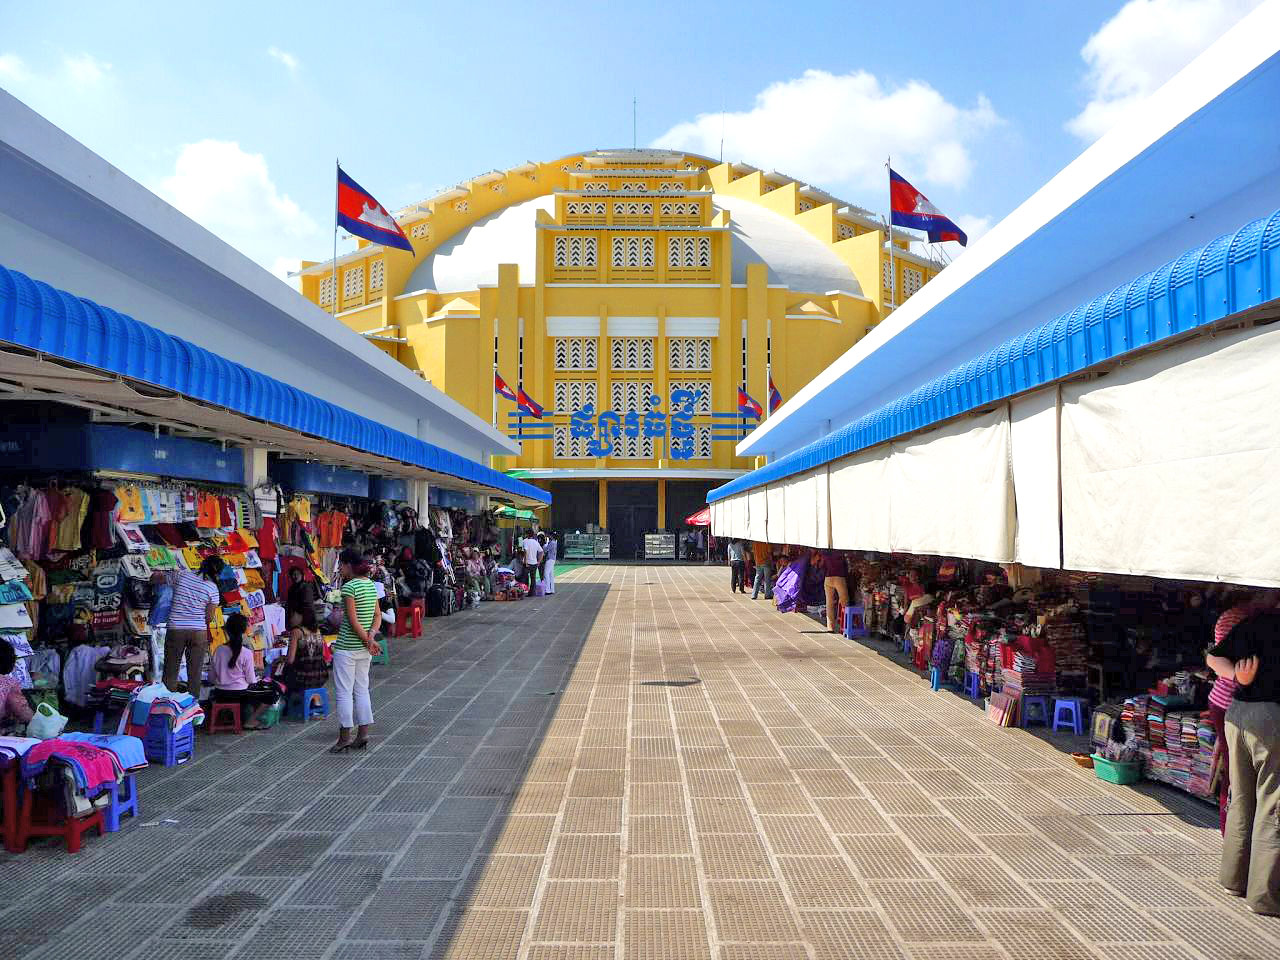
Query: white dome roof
794, 257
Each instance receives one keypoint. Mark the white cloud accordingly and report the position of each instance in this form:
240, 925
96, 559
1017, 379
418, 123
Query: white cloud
12, 69
837, 129
285, 57
230, 192
1141, 47
84, 70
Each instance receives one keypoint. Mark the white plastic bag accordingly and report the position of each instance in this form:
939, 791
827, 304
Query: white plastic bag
46, 724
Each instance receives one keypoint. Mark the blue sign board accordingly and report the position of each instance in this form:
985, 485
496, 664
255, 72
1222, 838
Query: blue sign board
306, 477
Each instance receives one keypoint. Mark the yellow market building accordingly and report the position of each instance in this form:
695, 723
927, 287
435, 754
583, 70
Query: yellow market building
630, 293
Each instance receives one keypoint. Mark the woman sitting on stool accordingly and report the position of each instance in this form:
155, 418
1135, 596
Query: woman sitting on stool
233, 677
304, 667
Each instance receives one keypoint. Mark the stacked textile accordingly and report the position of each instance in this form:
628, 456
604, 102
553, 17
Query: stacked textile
1066, 634
111, 695
1025, 679
157, 700
1176, 745
83, 771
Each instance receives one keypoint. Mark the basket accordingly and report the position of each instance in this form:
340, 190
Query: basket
1083, 760
271, 716
1114, 771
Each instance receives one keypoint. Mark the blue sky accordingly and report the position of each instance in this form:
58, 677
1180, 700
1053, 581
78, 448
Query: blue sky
235, 111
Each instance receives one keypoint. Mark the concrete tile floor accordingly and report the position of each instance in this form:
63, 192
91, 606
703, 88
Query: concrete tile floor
643, 767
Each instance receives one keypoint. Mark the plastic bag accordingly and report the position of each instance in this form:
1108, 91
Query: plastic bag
46, 724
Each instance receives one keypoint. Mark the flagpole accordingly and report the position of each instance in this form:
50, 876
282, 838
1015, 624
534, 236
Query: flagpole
495, 394
768, 366
337, 170
893, 275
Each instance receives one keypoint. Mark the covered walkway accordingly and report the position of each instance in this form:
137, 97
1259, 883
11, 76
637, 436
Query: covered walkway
642, 767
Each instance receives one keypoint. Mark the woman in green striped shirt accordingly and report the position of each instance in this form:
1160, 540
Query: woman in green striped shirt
354, 650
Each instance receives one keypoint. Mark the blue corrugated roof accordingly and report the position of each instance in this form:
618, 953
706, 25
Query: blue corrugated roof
1232, 273
59, 324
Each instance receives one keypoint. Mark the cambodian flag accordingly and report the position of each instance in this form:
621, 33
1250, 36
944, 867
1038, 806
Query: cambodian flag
501, 389
775, 398
911, 209
362, 216
747, 405
528, 405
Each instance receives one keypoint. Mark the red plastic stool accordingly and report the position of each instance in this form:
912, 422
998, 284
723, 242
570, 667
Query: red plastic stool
9, 808
405, 616
218, 725
49, 821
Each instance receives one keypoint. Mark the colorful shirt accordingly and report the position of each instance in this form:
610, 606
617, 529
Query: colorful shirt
366, 597
1224, 688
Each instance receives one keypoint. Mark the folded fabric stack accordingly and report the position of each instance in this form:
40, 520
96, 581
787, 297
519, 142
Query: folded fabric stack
111, 695
157, 700
82, 771
1067, 635
1176, 746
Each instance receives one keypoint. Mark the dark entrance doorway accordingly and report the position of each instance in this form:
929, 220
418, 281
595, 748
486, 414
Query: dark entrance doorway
574, 504
633, 509
685, 498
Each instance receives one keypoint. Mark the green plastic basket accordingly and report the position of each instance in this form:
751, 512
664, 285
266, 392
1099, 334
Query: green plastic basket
271, 716
1113, 771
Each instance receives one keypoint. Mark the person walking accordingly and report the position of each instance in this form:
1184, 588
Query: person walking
835, 584
195, 604
532, 557
551, 551
1222, 695
763, 554
1251, 846
737, 566
353, 651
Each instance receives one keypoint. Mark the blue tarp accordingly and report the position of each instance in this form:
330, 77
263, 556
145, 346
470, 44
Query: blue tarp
1230, 274
40, 317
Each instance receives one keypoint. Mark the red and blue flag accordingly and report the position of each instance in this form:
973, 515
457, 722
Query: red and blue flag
748, 406
911, 209
362, 216
501, 389
528, 404
775, 397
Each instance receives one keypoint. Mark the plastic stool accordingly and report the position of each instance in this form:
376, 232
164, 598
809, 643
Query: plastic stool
1038, 701
1069, 712
384, 656
855, 624
10, 810
409, 620
219, 710
49, 821
935, 678
167, 747
972, 685
124, 799
300, 703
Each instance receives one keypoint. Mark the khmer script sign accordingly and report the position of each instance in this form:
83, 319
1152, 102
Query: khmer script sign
604, 428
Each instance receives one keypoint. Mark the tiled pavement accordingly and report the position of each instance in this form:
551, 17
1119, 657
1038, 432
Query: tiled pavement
640, 768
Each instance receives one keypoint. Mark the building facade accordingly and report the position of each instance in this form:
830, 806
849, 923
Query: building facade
629, 293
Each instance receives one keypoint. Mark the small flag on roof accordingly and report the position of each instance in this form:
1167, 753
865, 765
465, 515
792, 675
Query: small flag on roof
362, 216
501, 389
775, 397
528, 404
748, 406
911, 209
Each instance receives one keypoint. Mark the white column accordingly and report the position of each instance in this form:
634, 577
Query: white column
418, 494
255, 466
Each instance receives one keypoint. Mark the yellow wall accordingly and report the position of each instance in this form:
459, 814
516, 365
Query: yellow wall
449, 335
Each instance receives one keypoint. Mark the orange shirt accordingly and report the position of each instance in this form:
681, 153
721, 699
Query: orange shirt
762, 552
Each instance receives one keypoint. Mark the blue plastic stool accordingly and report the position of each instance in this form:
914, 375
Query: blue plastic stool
855, 624
300, 703
1069, 712
124, 800
1027, 702
972, 685
935, 678
165, 747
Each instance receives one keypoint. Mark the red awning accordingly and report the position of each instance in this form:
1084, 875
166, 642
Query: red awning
700, 519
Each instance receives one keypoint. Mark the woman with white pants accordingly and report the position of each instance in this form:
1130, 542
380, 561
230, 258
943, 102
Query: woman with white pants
354, 650
550, 551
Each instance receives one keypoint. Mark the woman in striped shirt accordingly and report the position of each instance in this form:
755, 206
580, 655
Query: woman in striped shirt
1224, 690
354, 650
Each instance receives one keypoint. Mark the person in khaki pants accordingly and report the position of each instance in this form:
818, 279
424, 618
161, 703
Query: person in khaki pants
835, 583
1251, 846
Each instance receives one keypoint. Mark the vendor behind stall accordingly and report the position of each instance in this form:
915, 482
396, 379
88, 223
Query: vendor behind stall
14, 709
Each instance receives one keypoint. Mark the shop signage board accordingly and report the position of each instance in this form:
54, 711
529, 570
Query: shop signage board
579, 546
602, 545
659, 546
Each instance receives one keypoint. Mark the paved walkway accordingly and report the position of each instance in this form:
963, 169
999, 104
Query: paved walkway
640, 768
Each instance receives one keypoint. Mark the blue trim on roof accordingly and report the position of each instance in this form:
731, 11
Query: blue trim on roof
1234, 272
59, 324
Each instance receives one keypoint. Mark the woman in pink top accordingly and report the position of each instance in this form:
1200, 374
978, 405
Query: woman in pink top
1223, 692
233, 677
14, 709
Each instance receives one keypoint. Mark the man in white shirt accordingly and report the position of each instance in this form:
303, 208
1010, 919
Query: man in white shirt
532, 557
